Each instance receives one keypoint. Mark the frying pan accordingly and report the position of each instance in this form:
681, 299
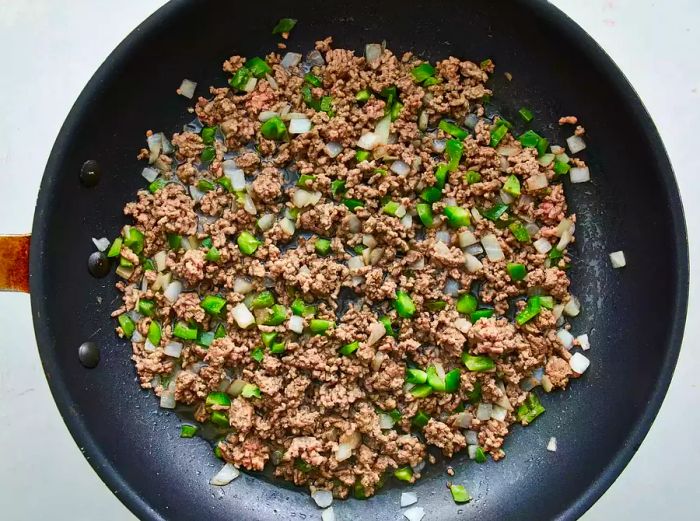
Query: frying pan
634, 316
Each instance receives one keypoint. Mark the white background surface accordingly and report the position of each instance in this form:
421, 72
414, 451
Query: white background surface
46, 59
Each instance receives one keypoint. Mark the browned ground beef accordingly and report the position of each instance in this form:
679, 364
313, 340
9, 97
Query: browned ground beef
314, 402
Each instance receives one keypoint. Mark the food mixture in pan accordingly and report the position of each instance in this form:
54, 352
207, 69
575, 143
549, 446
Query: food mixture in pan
347, 260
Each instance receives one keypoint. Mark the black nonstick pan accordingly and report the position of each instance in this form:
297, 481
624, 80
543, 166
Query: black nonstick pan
635, 315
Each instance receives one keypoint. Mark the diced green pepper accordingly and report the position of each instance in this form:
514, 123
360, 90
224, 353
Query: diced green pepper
497, 134
350, 348
472, 177
435, 305
174, 241
441, 175
480, 455
457, 216
353, 204
481, 313
434, 380
220, 419
512, 186
358, 491
452, 381
422, 72
220, 331
227, 184
404, 474
116, 248
467, 304
258, 67
247, 243
212, 254
240, 79
134, 240
454, 150
425, 214
300, 308
208, 135
157, 185
388, 326
531, 310
529, 139
274, 128
361, 155
147, 307
460, 494
561, 168
277, 314
422, 391
516, 271
391, 208
154, 333
322, 246
494, 212
258, 354
188, 431
432, 194
204, 185
149, 265
319, 326
421, 418
478, 364
526, 114
185, 332
213, 304
404, 305
362, 95
530, 409
474, 396
218, 398
416, 376
555, 254
264, 299
542, 145
250, 391
268, 338
519, 231
337, 187
127, 325
452, 129
284, 26
208, 154
278, 348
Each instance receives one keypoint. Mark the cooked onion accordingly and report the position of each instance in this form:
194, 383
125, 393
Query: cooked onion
236, 387
354, 223
463, 420
400, 168
299, 126
225, 476
472, 437
483, 411
378, 359
451, 286
137, 336
160, 260
302, 198
376, 332
101, 244
296, 324
287, 226
242, 315
467, 238
580, 174
150, 174
492, 247
439, 145
162, 281
266, 222
355, 263
407, 221
266, 114
343, 452
167, 400
552, 444
385, 421
414, 513
507, 150
373, 53
382, 130
537, 182
323, 498
291, 59
582, 340
617, 259
472, 263
187, 88
272, 82
242, 285
249, 205
442, 236
423, 120
173, 349
250, 85
333, 149
328, 514
471, 120
173, 291
542, 245
368, 141
463, 325
408, 499
546, 159
564, 241
579, 363
148, 346
499, 413
572, 307
575, 144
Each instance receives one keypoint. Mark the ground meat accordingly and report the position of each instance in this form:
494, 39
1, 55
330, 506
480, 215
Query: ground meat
346, 292
568, 120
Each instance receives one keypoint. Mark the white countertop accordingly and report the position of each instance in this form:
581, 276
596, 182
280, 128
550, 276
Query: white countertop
46, 61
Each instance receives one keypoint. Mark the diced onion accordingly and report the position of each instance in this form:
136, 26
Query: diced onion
463, 420
579, 363
173, 349
474, 249
373, 53
242, 315
314, 58
467, 238
499, 413
333, 149
471, 120
572, 307
564, 241
354, 223
537, 182
505, 197
343, 452
266, 221
408, 499
382, 130
475, 215
439, 145
546, 159
542, 245
449, 201
196, 193
369, 240
575, 144
302, 198
385, 421
617, 259
288, 116
507, 150
225, 476
266, 114
400, 168
368, 141
250, 85
299, 126
328, 514
472, 437
463, 325
287, 226
472, 263
443, 236
249, 205
414, 513
377, 361
355, 263
582, 340
291, 59
187, 88
160, 260
173, 291
376, 332
451, 286
483, 411
101, 244
296, 324
162, 281
137, 337
323, 498
407, 221
167, 400
471, 450
556, 149
423, 120
492, 247
552, 444
242, 285
148, 346
236, 387
580, 174
150, 174
154, 145
566, 338
272, 82
546, 384
166, 145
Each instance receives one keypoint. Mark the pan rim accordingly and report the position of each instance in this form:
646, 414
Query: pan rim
547, 12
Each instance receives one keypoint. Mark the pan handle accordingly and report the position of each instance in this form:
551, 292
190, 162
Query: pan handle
14, 263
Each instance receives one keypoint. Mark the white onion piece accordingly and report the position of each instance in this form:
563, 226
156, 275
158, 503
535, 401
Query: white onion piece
173, 291
328, 514
572, 307
463, 420
546, 159
414, 513
242, 285
532, 229
314, 58
565, 225
235, 174
499, 413
471, 120
355, 263
400, 168
323, 498
452, 287
266, 222
135, 315
291, 59
564, 241
373, 53
167, 400
242, 315
421, 464
449, 201
354, 223
225, 476
407, 221
475, 215
474, 249
148, 346
471, 450
566, 338
579, 363
463, 325
467, 238
382, 130
492, 247
582, 340
472, 437
287, 226
505, 197
377, 361
507, 150
150, 174
272, 82
537, 182
439, 145
173, 349
154, 145
617, 259
296, 324
196, 193
250, 85
542, 245
552, 444
385, 421
236, 387
442, 236
423, 120
369, 240
343, 452
575, 144
187, 88
160, 260
562, 158
472, 263
580, 174
483, 411
368, 141
266, 114
185, 244
556, 149
299, 126
333, 149
101, 244
376, 332
166, 145
408, 499
302, 198
137, 337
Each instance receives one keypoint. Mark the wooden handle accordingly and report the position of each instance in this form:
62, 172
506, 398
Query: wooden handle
14, 263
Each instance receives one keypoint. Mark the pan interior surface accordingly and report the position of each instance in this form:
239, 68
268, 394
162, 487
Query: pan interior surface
631, 204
